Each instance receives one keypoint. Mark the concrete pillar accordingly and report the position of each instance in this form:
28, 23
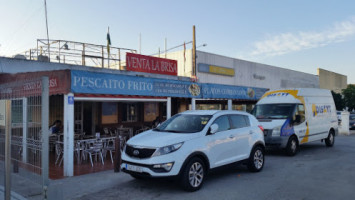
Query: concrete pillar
68, 134
168, 108
24, 129
45, 133
344, 127
229, 104
193, 104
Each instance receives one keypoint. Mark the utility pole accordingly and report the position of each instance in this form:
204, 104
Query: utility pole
193, 52
166, 46
45, 8
140, 43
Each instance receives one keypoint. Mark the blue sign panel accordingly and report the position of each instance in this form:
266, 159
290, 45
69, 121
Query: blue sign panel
70, 100
102, 83
211, 91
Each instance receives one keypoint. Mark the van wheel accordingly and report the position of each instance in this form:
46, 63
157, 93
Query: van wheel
256, 159
329, 141
292, 146
193, 175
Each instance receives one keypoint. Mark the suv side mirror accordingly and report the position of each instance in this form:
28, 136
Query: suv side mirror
213, 129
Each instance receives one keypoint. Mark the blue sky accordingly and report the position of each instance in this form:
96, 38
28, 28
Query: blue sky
300, 35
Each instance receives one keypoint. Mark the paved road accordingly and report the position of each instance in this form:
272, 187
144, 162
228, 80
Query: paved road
316, 172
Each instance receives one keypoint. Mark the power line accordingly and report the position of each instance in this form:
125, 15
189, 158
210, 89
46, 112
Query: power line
173, 48
12, 36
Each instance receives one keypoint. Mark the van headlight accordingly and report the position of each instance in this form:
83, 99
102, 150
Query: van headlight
167, 149
276, 131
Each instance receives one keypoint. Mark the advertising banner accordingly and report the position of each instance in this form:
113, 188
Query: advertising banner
211, 91
30, 83
101, 83
150, 64
116, 84
215, 69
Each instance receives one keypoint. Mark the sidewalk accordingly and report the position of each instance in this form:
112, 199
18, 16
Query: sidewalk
77, 186
67, 188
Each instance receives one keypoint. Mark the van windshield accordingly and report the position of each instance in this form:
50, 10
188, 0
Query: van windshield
273, 111
184, 123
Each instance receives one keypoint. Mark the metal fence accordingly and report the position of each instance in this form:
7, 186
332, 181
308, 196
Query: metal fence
23, 144
78, 53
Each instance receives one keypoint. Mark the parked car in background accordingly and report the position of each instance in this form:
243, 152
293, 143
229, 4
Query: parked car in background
191, 143
352, 121
295, 116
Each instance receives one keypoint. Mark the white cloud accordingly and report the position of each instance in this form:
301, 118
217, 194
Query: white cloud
291, 42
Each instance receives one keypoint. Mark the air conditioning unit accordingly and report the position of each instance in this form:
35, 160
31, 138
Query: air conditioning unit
43, 58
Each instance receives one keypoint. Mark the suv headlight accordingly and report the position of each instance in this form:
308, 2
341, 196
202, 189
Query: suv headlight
167, 149
276, 131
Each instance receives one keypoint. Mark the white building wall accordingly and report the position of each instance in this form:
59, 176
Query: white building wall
247, 73
253, 74
184, 65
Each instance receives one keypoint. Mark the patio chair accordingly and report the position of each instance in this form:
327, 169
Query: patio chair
94, 149
79, 148
109, 145
59, 152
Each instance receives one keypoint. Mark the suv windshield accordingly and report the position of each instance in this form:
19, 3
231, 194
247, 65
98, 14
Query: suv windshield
184, 123
273, 111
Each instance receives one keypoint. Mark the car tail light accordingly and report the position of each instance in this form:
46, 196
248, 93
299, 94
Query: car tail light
261, 128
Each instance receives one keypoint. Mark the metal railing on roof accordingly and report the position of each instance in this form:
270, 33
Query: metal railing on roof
78, 53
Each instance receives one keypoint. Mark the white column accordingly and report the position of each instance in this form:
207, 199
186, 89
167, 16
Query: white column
24, 129
344, 127
193, 104
168, 108
68, 134
230, 104
45, 132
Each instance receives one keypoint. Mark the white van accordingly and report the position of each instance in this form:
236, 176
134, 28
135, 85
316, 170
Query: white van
295, 116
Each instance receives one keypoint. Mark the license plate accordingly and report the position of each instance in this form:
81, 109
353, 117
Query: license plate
134, 168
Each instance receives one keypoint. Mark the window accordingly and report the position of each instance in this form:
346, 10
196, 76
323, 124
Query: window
223, 123
273, 111
129, 113
240, 121
301, 113
109, 113
151, 111
184, 123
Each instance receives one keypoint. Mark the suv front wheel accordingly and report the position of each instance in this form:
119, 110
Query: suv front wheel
193, 174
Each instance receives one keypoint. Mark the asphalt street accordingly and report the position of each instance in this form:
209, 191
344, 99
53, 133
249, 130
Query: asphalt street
316, 172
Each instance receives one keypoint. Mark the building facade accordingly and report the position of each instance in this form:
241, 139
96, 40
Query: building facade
212, 68
331, 80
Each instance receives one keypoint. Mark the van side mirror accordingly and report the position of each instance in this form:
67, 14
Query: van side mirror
297, 119
213, 129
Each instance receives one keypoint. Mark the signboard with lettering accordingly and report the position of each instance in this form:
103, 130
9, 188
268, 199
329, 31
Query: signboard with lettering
215, 69
231, 92
30, 83
102, 83
150, 64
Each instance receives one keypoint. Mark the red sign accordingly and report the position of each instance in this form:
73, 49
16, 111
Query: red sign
30, 83
150, 64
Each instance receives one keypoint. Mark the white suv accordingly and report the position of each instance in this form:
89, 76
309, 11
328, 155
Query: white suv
191, 143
